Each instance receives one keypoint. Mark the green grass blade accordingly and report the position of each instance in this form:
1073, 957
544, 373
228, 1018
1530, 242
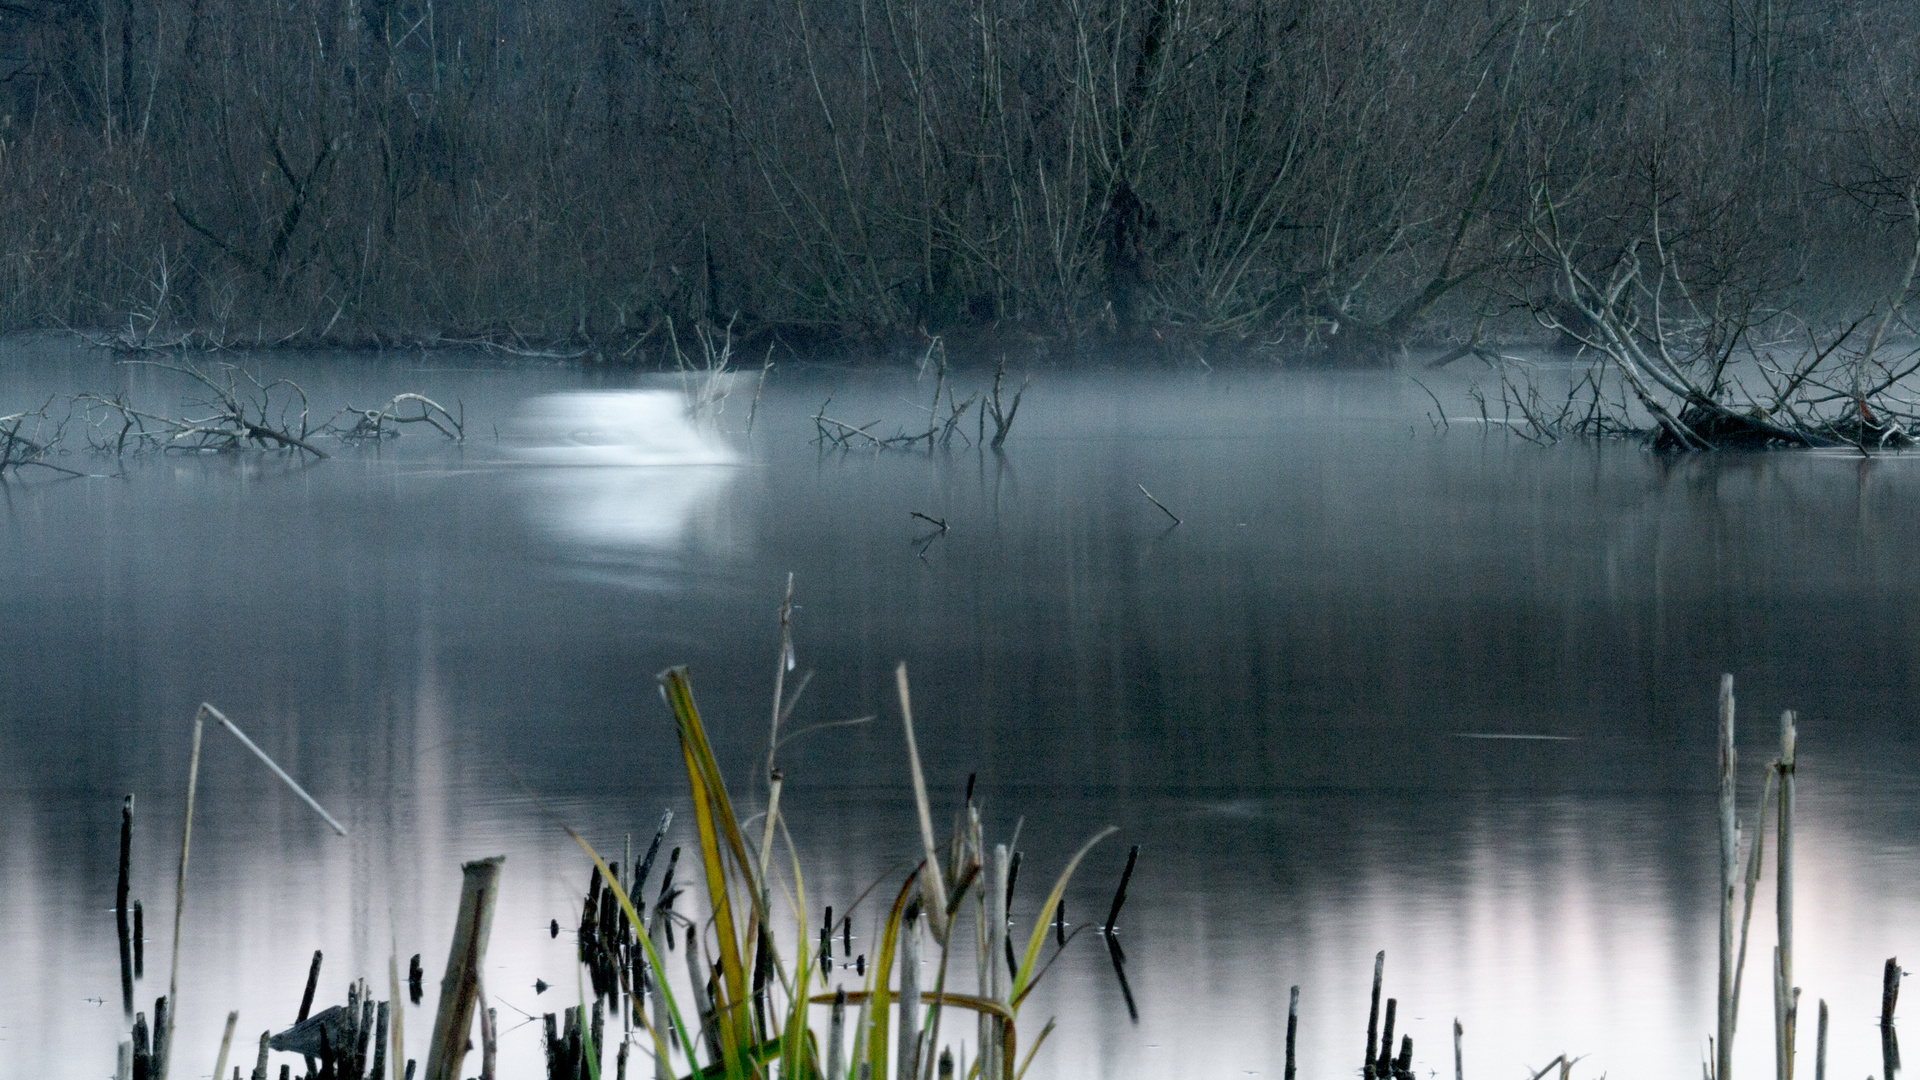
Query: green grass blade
1040, 927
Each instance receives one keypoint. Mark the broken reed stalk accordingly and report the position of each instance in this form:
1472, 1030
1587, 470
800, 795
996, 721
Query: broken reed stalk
459, 988
490, 1041
180, 899
393, 995
1786, 1018
226, 1046
837, 1036
1756, 856
1459, 1065
313, 983
1729, 872
1373, 1016
908, 1055
933, 886
277, 770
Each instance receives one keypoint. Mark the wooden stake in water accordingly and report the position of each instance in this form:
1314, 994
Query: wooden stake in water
180, 901
1459, 1066
460, 987
1729, 872
1783, 875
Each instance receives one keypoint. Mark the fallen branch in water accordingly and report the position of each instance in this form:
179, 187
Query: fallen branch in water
239, 411
384, 422
23, 441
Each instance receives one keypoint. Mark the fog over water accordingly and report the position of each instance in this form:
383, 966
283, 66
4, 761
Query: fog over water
453, 646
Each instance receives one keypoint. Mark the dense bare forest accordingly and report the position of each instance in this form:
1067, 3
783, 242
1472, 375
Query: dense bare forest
1044, 175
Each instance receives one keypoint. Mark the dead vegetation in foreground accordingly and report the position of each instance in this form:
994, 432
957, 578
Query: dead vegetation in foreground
741, 1001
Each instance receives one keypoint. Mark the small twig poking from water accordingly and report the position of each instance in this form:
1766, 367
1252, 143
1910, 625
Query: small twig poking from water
1158, 503
934, 521
1442, 422
1003, 415
754, 409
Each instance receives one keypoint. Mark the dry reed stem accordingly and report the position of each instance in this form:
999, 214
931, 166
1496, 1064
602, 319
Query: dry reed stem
1783, 873
226, 1045
933, 886
277, 770
1729, 871
180, 892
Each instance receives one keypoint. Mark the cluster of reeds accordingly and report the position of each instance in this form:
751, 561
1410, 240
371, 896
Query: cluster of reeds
751, 1005
1777, 794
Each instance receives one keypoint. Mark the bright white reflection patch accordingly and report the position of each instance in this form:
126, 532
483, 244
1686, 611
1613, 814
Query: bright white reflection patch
620, 428
629, 470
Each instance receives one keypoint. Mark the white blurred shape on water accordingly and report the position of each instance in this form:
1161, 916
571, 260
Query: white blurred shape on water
621, 428
631, 470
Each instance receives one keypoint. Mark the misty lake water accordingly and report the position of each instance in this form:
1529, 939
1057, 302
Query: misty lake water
1281, 701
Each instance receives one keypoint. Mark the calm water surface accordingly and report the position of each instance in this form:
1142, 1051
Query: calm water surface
455, 650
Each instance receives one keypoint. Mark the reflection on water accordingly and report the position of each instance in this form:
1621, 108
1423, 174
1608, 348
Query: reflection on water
1268, 699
